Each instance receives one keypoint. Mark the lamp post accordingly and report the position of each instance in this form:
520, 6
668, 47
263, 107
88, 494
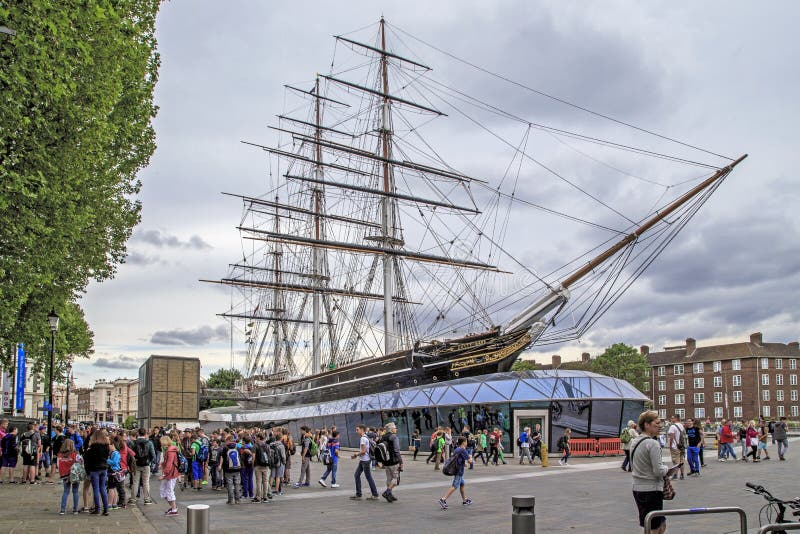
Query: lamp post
69, 381
52, 318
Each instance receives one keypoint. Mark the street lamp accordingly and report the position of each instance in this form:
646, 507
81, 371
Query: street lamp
52, 318
69, 381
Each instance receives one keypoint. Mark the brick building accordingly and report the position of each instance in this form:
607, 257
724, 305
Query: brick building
737, 380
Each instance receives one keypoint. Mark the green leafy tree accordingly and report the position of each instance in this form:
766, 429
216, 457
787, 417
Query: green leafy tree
130, 422
76, 104
222, 379
524, 365
625, 362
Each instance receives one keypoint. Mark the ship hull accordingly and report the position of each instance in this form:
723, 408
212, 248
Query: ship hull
478, 355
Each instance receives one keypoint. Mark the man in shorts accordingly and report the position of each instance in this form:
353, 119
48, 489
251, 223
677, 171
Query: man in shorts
675, 438
461, 457
278, 468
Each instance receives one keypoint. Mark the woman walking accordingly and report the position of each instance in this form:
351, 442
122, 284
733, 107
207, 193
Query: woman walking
627, 436
648, 471
752, 441
96, 463
563, 445
66, 459
169, 473
416, 442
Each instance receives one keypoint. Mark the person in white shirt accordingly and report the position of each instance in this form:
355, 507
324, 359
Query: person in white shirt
364, 465
675, 436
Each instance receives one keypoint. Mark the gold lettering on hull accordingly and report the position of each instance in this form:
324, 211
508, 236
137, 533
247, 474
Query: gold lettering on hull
489, 357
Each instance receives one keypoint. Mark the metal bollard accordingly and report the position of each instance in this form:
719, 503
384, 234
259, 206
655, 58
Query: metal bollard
198, 518
523, 519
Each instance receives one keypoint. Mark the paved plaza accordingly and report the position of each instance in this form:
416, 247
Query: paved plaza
590, 495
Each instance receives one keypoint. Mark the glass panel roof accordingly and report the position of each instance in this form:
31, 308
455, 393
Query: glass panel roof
452, 396
468, 389
486, 394
605, 388
504, 387
576, 387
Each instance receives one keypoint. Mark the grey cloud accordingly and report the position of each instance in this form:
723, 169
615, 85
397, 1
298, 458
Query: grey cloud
137, 258
165, 240
202, 335
120, 362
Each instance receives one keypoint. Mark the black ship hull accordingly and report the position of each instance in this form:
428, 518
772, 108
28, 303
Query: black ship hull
481, 354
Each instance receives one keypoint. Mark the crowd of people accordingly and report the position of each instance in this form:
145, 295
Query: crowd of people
643, 442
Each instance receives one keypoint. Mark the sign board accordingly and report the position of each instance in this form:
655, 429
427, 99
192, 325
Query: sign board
20, 392
8, 383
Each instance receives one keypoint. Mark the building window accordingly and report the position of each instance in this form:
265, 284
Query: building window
662, 414
793, 395
677, 369
792, 380
737, 411
697, 368
737, 396
718, 412
717, 381
699, 412
699, 398
736, 365
781, 412
779, 395
662, 400
792, 364
794, 411
662, 385
765, 363
647, 372
717, 367
765, 411
679, 398
681, 413
778, 363
661, 371
647, 386
765, 379
765, 395
737, 380
699, 383
717, 396
679, 383
778, 380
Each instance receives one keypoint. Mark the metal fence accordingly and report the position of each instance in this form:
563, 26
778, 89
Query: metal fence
697, 511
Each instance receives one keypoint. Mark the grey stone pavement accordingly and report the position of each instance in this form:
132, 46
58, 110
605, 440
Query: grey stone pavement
590, 495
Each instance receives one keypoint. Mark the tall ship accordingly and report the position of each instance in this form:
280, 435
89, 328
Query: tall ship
372, 261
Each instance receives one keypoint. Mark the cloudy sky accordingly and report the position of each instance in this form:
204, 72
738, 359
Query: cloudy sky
720, 75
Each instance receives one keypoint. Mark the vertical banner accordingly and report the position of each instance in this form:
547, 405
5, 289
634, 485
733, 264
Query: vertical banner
20, 393
7, 385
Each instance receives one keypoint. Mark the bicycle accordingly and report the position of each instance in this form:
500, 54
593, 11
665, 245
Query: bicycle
774, 505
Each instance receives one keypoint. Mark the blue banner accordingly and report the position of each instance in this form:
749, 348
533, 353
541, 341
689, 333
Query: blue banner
20, 393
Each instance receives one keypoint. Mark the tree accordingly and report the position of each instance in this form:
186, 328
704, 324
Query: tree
222, 379
130, 422
524, 365
76, 104
624, 362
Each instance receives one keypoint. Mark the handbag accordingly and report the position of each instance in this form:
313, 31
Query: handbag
119, 475
669, 491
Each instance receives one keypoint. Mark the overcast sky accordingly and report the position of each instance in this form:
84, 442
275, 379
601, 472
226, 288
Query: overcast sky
721, 75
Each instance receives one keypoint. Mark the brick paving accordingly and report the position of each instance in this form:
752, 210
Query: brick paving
589, 496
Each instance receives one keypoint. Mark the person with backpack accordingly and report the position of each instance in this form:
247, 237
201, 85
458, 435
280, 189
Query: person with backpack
169, 473
199, 455
279, 458
524, 446
231, 466
66, 458
145, 455
213, 465
261, 463
247, 456
10, 448
306, 452
432, 445
627, 435
364, 465
205, 453
779, 434
676, 436
30, 446
288, 445
330, 459
392, 461
455, 464
96, 463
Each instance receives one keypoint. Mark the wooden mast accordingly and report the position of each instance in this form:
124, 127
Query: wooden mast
387, 219
315, 356
630, 238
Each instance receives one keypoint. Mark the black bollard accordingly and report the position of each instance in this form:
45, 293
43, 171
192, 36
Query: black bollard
523, 518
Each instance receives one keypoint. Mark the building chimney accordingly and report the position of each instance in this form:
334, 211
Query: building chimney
645, 350
585, 357
556, 361
794, 345
691, 345
756, 338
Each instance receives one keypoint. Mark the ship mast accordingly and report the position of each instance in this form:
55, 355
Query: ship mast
387, 222
315, 267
